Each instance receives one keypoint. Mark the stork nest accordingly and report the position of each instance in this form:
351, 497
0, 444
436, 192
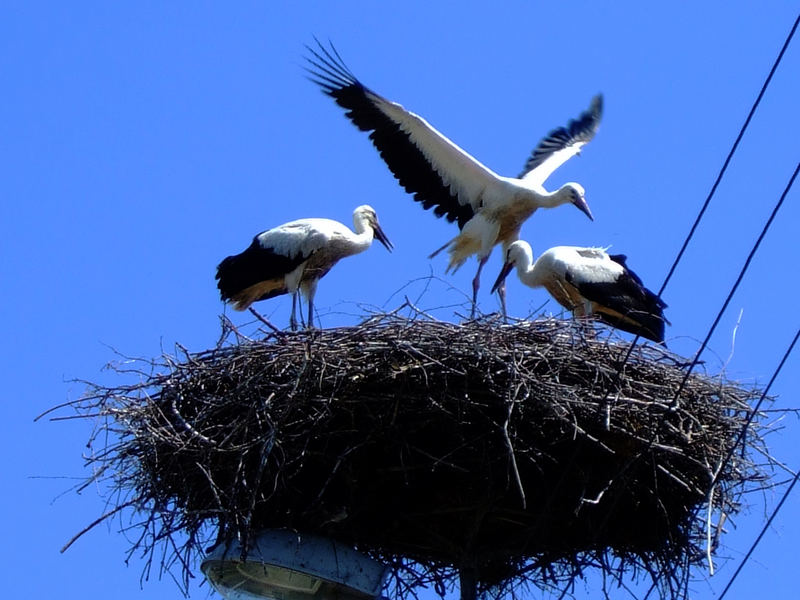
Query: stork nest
518, 454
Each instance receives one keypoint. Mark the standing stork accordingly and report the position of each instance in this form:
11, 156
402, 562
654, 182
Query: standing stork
295, 256
589, 281
488, 207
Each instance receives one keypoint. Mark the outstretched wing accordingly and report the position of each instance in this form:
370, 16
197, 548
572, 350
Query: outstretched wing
563, 143
436, 171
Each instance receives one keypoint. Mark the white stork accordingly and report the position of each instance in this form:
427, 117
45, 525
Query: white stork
488, 207
590, 281
294, 256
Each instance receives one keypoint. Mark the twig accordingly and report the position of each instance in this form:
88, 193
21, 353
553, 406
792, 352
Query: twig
258, 316
443, 424
96, 522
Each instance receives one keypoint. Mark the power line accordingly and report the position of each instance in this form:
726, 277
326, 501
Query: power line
699, 217
730, 454
755, 409
760, 535
696, 223
730, 154
711, 331
735, 286
732, 291
740, 438
717, 181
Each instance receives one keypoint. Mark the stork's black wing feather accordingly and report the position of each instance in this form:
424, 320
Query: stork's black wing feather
404, 159
647, 325
642, 309
577, 131
256, 264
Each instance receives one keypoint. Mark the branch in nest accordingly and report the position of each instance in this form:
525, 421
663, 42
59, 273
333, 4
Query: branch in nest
516, 449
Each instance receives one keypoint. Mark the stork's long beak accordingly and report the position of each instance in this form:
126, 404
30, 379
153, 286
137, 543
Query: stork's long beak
381, 236
502, 277
583, 206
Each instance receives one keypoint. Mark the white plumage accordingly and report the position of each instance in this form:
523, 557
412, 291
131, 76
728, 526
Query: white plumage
294, 257
589, 281
488, 207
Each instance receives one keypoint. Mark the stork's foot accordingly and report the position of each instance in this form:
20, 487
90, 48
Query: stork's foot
476, 284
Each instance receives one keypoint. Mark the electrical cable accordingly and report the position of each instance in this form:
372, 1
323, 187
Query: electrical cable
702, 211
730, 154
760, 535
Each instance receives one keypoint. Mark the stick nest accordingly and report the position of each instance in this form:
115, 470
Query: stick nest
520, 453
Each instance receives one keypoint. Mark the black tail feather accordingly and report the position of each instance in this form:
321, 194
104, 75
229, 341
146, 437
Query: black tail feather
648, 325
255, 265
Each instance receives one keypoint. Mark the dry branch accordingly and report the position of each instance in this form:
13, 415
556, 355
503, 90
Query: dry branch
526, 453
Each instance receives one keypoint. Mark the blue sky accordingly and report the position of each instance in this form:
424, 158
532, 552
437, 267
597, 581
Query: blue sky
144, 142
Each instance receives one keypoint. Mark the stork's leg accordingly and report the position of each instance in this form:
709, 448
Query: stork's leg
589, 331
300, 312
501, 291
310, 311
310, 292
292, 319
476, 283
582, 314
